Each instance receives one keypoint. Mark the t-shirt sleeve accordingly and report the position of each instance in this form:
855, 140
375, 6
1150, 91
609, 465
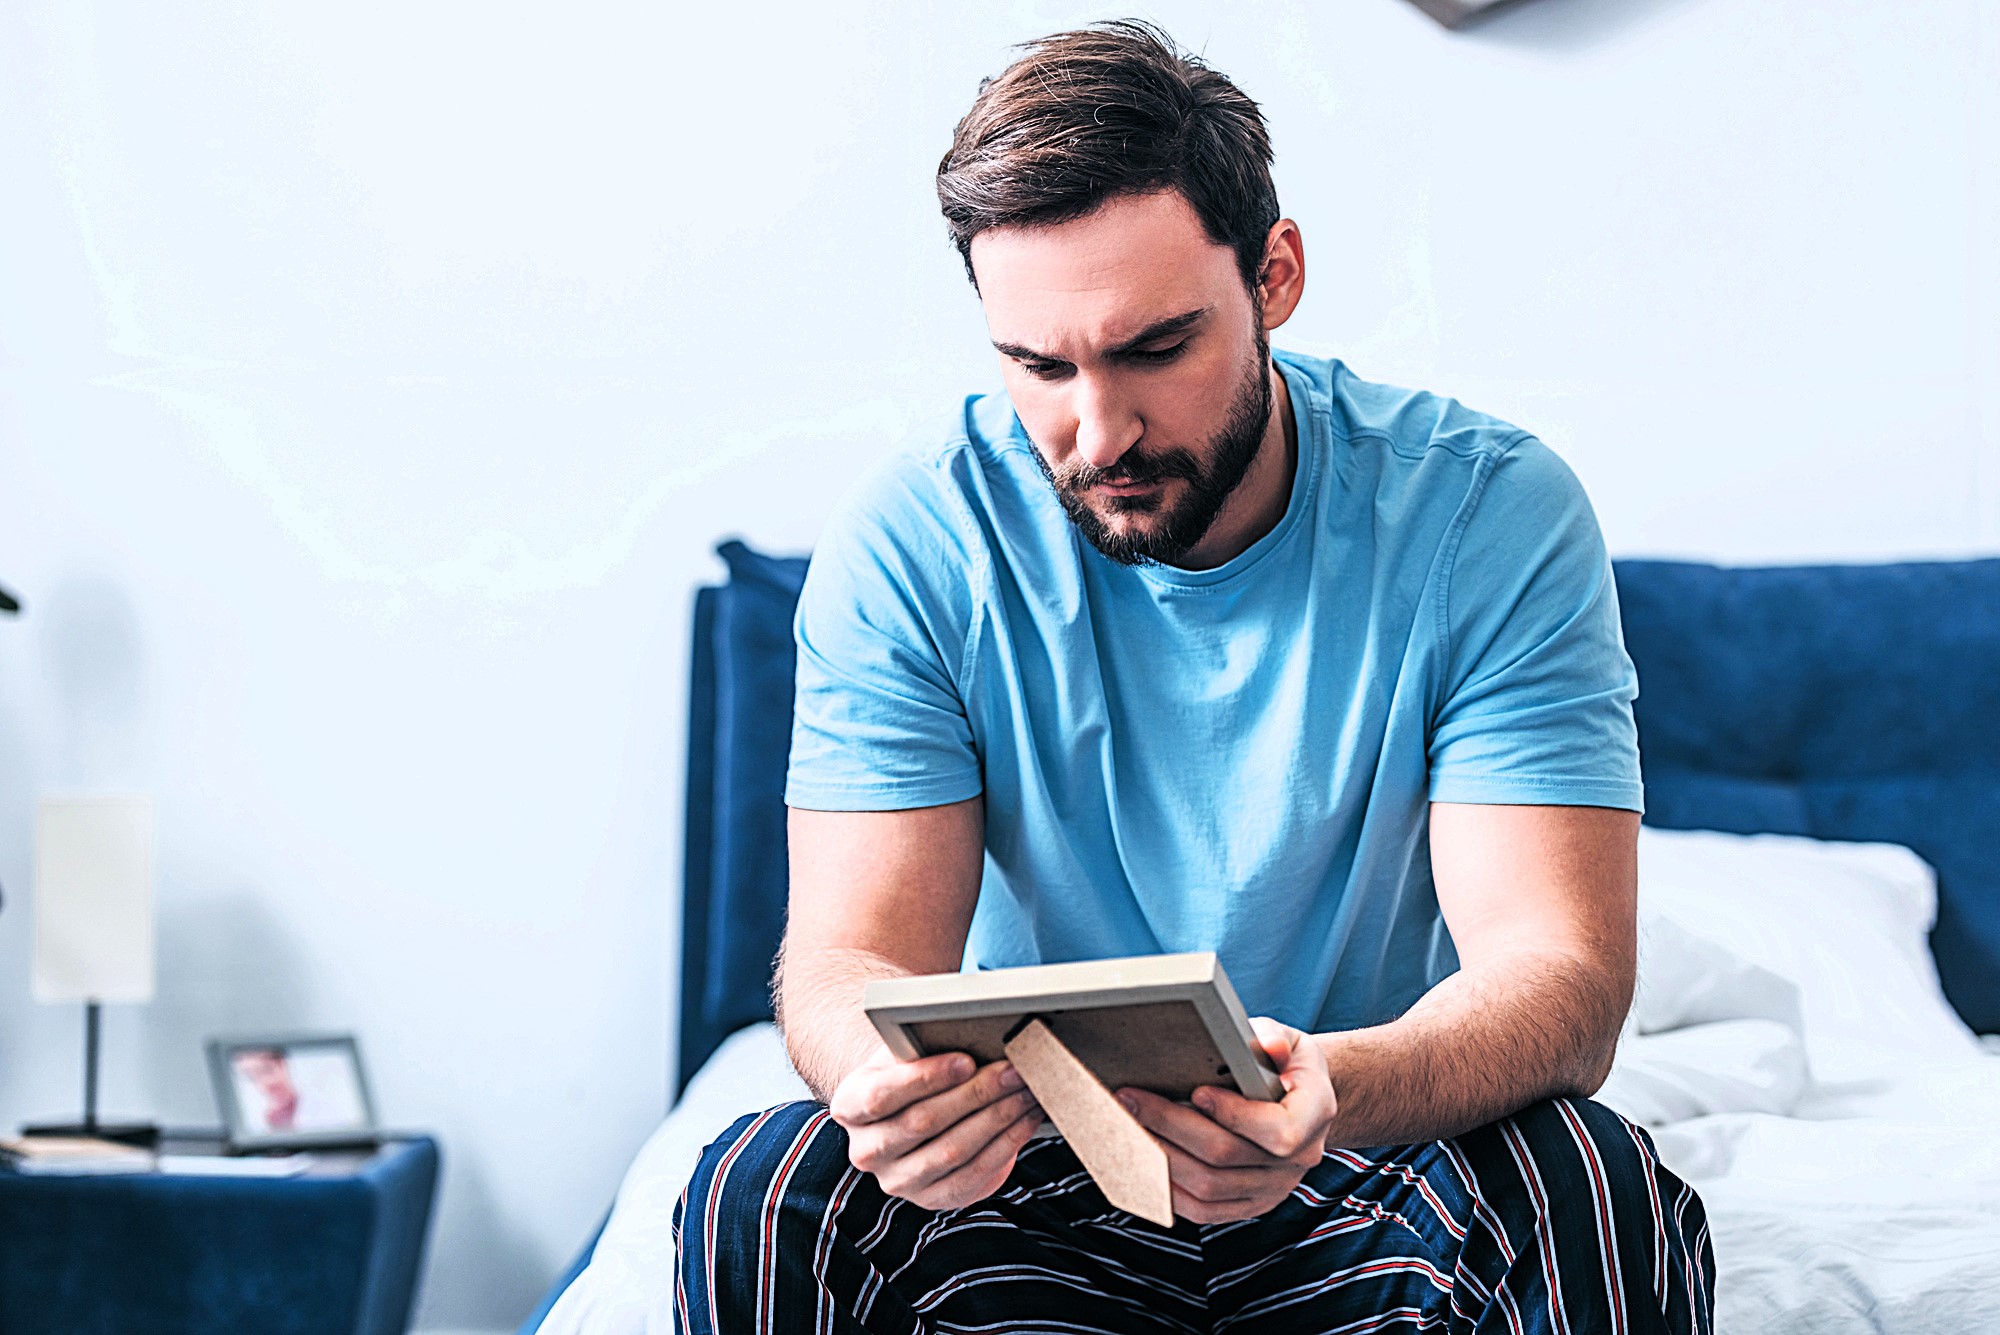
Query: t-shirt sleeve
1537, 689
879, 720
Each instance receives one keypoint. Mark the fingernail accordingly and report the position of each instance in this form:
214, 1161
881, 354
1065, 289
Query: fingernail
1010, 1077
961, 1067
1131, 1104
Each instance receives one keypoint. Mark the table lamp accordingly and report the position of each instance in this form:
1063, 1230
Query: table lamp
94, 926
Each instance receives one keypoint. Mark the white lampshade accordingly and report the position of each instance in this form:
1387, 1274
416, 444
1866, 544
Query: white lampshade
94, 899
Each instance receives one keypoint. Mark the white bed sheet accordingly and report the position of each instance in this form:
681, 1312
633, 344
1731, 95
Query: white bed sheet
628, 1287
1800, 1068
1887, 1221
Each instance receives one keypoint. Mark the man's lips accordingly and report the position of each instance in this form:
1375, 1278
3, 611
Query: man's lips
1125, 487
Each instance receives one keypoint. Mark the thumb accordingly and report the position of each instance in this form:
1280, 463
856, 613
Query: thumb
1279, 1041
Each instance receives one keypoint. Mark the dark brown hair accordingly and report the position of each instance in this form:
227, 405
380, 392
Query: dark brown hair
1109, 110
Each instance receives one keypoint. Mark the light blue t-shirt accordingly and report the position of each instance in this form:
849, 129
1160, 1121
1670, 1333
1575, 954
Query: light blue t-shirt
1237, 759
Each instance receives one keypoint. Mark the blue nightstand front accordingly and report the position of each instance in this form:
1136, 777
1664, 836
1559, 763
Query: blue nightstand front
334, 1251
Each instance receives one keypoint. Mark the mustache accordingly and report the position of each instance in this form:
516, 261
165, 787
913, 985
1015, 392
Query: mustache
1132, 467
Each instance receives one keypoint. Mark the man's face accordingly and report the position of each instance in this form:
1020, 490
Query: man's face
1138, 364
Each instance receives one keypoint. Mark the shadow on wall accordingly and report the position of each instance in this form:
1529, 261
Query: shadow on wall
226, 968
511, 1272
96, 659
1564, 25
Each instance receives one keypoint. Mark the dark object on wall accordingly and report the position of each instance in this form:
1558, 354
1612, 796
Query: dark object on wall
1458, 13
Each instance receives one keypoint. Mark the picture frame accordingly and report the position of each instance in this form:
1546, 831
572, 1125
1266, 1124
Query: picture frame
1167, 1023
292, 1091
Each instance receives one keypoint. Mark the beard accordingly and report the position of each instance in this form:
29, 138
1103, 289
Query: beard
1175, 529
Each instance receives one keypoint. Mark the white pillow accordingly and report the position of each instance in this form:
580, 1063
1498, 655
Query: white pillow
1845, 922
1718, 1066
1686, 978
1709, 1032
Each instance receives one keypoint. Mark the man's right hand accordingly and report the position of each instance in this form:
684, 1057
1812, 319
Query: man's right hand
935, 1131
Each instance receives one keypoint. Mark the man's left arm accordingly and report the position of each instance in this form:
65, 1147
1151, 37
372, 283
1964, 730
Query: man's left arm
1533, 789
1541, 904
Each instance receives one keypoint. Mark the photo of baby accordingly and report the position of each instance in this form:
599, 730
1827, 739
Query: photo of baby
298, 1088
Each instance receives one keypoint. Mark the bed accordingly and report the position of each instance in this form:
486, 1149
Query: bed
1820, 935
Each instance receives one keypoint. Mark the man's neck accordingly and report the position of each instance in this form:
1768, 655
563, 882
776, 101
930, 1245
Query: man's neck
1260, 500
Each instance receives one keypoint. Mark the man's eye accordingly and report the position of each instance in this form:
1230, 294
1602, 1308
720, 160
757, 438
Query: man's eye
1044, 370
1161, 354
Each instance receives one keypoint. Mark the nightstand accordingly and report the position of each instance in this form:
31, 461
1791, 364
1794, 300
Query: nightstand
333, 1251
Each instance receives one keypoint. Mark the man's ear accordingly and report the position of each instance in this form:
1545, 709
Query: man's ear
1281, 282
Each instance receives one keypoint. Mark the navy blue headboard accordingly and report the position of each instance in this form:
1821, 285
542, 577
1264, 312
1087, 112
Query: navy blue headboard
739, 738
1843, 702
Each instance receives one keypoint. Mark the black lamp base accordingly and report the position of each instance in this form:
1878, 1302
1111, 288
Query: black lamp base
142, 1134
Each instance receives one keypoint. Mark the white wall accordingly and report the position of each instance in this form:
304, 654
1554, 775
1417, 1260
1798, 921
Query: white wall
375, 379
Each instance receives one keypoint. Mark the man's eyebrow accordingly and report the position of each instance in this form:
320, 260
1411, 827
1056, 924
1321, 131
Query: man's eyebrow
1173, 324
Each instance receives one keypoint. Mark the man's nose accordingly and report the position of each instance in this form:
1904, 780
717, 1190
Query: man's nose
1106, 426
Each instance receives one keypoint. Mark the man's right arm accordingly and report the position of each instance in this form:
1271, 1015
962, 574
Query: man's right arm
874, 894
886, 894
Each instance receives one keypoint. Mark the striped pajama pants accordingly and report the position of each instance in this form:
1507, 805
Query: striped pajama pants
1560, 1218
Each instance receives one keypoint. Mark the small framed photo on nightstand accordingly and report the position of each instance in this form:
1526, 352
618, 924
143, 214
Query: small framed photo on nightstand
292, 1092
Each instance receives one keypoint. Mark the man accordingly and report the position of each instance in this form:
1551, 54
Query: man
1181, 647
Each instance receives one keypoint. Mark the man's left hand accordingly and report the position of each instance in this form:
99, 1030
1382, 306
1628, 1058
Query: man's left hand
1236, 1158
